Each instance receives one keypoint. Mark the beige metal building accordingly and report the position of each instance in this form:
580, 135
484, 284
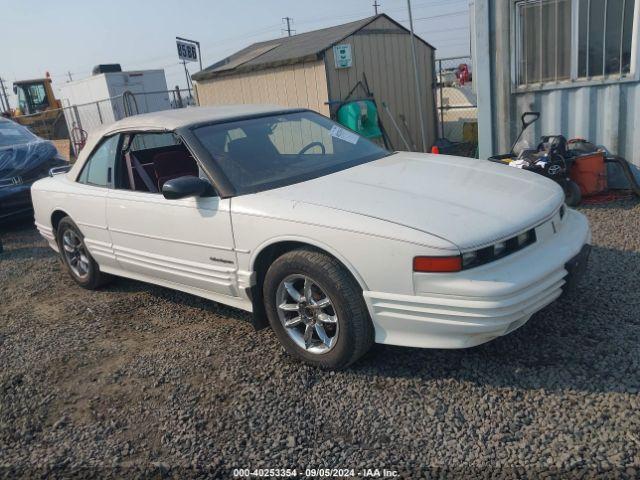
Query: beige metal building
303, 71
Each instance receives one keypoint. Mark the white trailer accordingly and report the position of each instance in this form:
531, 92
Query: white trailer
101, 99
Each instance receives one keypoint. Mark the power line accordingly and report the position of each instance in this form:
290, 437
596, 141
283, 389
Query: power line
359, 13
207, 46
221, 44
442, 30
450, 14
175, 64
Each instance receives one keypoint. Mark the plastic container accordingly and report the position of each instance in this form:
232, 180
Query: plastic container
360, 116
589, 172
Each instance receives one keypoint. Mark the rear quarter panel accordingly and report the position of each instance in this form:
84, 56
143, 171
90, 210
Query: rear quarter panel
85, 205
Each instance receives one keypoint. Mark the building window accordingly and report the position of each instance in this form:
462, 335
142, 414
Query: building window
545, 40
604, 40
545, 31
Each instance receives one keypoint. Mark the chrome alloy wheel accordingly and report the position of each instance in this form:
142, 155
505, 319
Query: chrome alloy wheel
76, 254
307, 314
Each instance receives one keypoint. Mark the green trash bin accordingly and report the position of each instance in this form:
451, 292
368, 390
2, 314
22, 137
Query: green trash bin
361, 116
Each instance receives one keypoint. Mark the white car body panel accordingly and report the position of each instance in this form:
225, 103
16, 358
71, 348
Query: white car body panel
374, 218
466, 202
459, 311
174, 239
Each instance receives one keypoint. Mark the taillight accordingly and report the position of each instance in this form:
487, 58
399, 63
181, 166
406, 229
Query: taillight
437, 264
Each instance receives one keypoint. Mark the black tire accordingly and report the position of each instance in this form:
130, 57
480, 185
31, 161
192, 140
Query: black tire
356, 333
94, 278
572, 193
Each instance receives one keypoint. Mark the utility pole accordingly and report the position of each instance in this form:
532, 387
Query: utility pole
5, 101
70, 79
186, 74
417, 78
376, 5
288, 29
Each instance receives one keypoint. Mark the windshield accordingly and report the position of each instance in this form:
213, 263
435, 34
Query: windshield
13, 134
269, 152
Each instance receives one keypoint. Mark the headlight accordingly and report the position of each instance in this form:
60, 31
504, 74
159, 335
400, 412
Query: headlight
469, 258
522, 239
499, 248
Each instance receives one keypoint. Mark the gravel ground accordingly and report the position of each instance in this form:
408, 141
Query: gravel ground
137, 380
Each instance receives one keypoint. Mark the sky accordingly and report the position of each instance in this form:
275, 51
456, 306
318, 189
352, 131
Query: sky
74, 35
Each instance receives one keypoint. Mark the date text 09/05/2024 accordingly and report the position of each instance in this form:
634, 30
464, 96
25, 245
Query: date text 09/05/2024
315, 472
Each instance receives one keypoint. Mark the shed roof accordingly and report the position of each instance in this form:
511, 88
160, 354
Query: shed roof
306, 46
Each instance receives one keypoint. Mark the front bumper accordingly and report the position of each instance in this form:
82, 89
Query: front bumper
474, 306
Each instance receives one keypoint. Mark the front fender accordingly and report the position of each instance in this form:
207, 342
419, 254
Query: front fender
314, 243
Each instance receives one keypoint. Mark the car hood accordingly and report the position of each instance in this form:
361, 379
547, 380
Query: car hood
468, 202
20, 160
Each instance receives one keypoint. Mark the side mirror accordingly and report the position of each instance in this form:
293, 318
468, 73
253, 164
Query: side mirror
59, 170
187, 186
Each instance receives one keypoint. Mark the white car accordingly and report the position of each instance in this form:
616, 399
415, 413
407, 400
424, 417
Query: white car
324, 235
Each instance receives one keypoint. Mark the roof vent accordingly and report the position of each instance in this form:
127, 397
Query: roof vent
106, 68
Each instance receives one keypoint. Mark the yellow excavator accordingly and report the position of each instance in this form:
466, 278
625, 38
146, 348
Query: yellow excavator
39, 109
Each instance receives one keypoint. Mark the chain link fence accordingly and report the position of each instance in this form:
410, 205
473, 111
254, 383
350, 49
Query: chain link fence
72, 123
456, 106
90, 116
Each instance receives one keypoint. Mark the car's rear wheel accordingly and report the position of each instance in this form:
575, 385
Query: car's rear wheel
316, 309
81, 266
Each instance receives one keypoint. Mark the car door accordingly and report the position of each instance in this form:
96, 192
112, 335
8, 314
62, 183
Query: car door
186, 242
87, 207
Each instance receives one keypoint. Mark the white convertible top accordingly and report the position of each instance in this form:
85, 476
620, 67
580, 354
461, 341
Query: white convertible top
183, 117
171, 120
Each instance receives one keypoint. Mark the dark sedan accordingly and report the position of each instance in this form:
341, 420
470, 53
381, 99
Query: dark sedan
24, 158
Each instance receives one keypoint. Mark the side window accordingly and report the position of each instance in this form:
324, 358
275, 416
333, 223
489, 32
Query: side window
96, 170
151, 159
146, 141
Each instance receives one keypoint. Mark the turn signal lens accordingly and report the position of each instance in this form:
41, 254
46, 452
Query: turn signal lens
437, 264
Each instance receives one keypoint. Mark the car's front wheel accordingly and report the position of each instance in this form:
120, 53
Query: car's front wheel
316, 309
75, 256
